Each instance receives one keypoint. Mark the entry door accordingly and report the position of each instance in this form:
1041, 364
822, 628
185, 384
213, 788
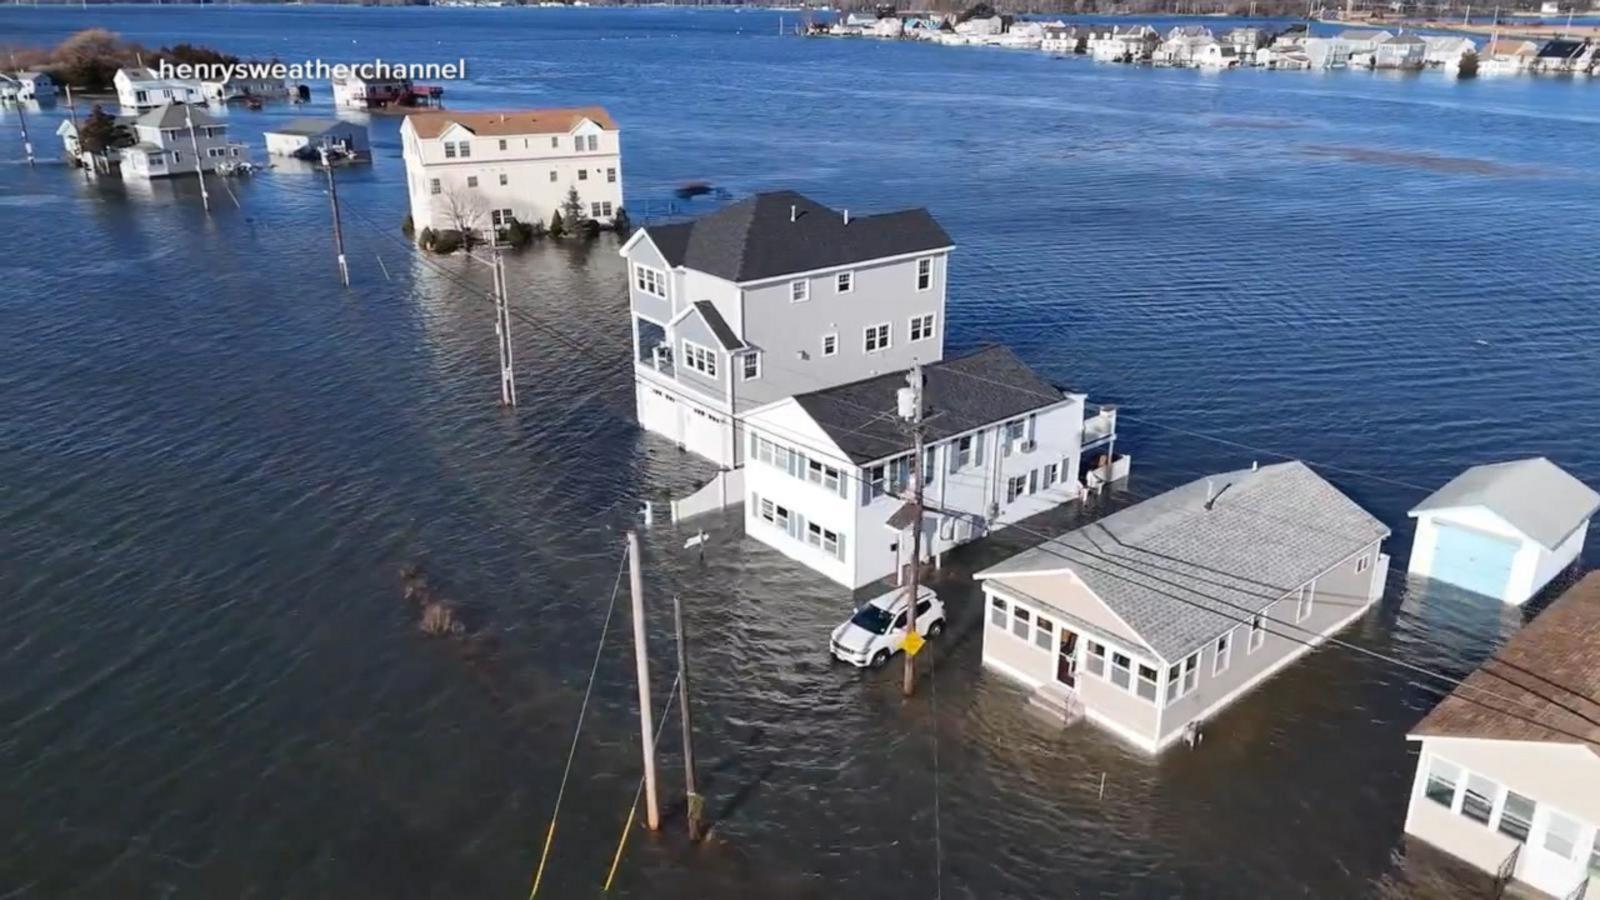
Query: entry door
1557, 853
1067, 659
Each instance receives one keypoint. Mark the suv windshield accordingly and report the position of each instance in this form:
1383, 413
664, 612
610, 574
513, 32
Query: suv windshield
873, 618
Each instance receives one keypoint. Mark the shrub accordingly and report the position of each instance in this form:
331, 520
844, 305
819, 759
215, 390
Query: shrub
518, 234
425, 239
407, 227
620, 224
447, 240
587, 228
557, 227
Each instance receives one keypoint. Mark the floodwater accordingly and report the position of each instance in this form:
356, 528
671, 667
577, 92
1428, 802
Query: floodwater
214, 462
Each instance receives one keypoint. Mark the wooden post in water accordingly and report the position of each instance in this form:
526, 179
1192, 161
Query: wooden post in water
27, 145
338, 228
694, 803
641, 659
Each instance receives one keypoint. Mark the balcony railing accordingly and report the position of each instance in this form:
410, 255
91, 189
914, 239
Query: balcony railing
1101, 428
1506, 872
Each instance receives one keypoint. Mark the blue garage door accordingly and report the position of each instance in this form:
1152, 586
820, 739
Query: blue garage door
1473, 560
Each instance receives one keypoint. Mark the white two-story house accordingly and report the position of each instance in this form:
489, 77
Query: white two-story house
143, 88
828, 472
773, 296
481, 170
167, 147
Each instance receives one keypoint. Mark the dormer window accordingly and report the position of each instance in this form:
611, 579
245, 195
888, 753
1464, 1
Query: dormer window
502, 143
449, 149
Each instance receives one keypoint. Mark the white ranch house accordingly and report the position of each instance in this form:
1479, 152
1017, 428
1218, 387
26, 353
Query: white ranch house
140, 89
1508, 773
1503, 530
1158, 616
827, 483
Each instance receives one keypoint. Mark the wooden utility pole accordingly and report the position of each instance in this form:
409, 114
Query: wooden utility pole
27, 145
696, 805
502, 331
338, 227
914, 380
641, 659
199, 168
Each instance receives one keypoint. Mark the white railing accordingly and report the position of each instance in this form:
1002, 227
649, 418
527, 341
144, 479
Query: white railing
1101, 426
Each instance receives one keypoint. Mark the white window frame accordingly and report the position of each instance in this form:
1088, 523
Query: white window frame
1051, 474
1094, 663
830, 344
504, 179
700, 358
472, 181
1183, 677
1016, 486
800, 290
1154, 681
1021, 622
650, 280
963, 448
924, 324
449, 149
844, 283
1304, 602
750, 365
1258, 632
1126, 669
1222, 653
885, 329
1044, 633
925, 274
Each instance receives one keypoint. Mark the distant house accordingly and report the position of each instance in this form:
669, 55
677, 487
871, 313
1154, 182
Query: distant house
981, 27
242, 88
1335, 52
1133, 43
1506, 57
141, 89
123, 135
1283, 56
860, 20
830, 491
167, 142
35, 86
350, 92
10, 88
1246, 40
1183, 46
302, 138
1403, 51
1159, 615
1065, 39
1565, 57
1448, 51
887, 27
1508, 774
1503, 530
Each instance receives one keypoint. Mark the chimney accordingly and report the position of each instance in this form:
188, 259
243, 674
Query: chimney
847, 217
794, 212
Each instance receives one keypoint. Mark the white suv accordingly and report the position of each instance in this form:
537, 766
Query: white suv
878, 629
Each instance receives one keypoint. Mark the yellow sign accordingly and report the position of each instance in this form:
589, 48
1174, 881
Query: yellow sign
913, 643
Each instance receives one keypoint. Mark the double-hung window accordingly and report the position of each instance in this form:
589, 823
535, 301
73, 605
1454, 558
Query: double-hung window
751, 365
1019, 622
1095, 662
876, 337
449, 150
502, 145
1121, 671
701, 359
1043, 633
1258, 630
1516, 816
611, 176
823, 539
997, 612
1478, 802
503, 179
922, 327
1561, 836
845, 282
1182, 678
472, 181
830, 344
465, 148
1050, 474
1224, 654
1016, 486
924, 273
1147, 682
583, 174
799, 291
961, 453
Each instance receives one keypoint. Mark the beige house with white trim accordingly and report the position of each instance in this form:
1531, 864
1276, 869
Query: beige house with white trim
1508, 777
1160, 615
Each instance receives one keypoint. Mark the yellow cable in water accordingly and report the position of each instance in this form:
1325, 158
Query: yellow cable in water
621, 842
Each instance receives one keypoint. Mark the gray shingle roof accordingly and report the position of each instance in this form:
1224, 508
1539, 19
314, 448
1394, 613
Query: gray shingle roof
718, 325
1267, 532
309, 126
1535, 496
176, 115
754, 238
962, 393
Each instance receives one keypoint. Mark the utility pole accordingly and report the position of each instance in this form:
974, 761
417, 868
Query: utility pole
338, 228
695, 803
914, 382
641, 659
199, 169
502, 332
27, 145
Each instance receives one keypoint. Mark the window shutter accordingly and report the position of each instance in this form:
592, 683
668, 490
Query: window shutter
844, 487
955, 458
1033, 425
977, 449
840, 552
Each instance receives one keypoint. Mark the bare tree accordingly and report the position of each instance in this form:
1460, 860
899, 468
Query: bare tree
464, 211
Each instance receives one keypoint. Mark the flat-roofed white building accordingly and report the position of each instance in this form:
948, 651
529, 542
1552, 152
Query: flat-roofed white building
481, 170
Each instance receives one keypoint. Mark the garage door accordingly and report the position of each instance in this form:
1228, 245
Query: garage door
1472, 559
